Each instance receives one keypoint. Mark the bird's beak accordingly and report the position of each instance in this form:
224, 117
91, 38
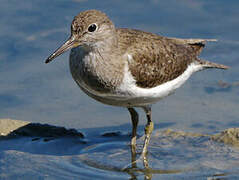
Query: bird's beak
70, 43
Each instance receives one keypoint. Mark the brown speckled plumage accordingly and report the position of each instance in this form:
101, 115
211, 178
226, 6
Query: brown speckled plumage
156, 59
129, 68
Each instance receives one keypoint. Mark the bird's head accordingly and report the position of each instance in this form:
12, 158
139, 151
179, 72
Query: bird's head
89, 28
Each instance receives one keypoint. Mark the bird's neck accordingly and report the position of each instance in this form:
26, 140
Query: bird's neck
108, 45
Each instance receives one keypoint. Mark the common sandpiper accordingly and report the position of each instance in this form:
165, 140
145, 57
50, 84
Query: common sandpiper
128, 67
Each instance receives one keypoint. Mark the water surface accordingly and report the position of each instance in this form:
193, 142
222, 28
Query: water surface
33, 91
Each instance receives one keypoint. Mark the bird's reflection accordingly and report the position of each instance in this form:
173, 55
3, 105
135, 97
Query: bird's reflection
133, 170
148, 171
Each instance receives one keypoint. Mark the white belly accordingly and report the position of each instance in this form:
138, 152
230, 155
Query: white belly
128, 94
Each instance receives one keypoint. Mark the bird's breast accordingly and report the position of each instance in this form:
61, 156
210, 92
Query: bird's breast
84, 71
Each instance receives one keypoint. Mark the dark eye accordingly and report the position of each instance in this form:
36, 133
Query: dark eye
92, 28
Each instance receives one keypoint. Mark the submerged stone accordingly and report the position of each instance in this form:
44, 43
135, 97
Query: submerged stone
229, 136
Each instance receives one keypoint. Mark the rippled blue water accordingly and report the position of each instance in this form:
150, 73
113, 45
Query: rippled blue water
33, 91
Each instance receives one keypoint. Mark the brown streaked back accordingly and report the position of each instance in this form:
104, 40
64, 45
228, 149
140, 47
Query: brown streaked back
156, 59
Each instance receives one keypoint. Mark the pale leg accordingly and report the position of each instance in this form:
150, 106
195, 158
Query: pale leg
148, 129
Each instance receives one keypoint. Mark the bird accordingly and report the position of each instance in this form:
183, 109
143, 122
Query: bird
127, 67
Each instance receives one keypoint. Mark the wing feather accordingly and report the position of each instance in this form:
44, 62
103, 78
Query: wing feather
157, 59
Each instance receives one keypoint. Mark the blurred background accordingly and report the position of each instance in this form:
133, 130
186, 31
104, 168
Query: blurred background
33, 91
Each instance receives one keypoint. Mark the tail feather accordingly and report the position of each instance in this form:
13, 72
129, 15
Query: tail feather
208, 64
196, 44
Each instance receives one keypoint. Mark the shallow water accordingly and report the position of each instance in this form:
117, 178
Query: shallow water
26, 153
46, 152
33, 91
